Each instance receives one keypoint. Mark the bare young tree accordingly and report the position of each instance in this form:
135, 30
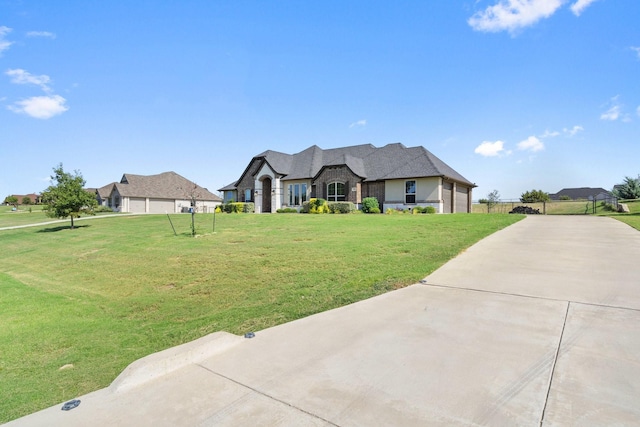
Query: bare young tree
492, 199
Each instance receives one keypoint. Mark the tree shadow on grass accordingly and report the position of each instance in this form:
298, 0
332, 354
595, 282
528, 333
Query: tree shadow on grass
60, 228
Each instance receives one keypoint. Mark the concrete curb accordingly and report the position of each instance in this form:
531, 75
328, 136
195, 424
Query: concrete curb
163, 362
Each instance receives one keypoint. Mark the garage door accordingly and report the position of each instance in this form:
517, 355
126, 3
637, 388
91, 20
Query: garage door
462, 199
160, 206
447, 196
136, 205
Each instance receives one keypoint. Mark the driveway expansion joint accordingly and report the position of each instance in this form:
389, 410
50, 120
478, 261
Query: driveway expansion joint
553, 366
255, 390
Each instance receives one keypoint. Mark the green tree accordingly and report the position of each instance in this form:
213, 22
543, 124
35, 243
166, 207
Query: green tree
66, 197
11, 200
26, 200
629, 189
534, 196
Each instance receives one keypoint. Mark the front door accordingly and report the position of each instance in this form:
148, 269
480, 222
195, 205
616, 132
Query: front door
266, 195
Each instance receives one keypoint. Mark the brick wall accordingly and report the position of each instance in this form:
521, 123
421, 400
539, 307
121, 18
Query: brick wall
339, 174
248, 181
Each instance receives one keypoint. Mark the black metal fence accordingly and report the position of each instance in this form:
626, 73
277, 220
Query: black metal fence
552, 207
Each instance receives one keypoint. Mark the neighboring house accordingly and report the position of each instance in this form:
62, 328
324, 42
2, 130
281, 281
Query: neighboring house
583, 193
398, 176
35, 198
167, 192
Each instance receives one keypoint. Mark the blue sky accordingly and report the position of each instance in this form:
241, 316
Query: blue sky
513, 94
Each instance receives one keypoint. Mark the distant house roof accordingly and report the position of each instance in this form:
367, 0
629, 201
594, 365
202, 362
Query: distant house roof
105, 192
393, 161
32, 196
579, 193
167, 185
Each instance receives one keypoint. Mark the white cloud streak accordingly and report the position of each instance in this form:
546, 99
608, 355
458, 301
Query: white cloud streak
45, 34
614, 112
532, 144
4, 43
565, 131
490, 149
573, 131
550, 134
40, 107
513, 15
21, 77
636, 49
578, 7
359, 123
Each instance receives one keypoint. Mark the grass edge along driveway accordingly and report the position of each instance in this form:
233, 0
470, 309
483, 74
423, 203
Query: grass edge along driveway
78, 306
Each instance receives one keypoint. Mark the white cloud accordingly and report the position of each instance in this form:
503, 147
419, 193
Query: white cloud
614, 112
638, 111
611, 114
531, 144
511, 15
46, 34
574, 130
550, 134
490, 149
40, 107
4, 44
20, 76
636, 49
565, 131
578, 7
359, 123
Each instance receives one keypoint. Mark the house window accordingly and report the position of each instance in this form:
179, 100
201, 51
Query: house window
335, 192
409, 192
297, 194
247, 195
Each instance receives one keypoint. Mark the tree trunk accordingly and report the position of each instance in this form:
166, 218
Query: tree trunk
72, 222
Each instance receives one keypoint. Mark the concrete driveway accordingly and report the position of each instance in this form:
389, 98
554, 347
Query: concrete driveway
538, 324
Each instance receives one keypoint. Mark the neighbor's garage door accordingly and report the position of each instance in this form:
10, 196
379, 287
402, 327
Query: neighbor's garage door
447, 196
161, 206
462, 199
136, 205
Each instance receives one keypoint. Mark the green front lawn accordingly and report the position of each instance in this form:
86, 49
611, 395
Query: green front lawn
26, 214
633, 217
119, 288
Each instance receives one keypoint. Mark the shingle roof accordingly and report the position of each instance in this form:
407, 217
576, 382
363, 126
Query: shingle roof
579, 193
105, 192
393, 161
167, 185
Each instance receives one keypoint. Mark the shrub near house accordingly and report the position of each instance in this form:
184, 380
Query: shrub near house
370, 205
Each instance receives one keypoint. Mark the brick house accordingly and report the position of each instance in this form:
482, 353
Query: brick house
33, 198
398, 176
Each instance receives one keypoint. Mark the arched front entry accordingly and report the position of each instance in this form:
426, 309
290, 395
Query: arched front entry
266, 195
